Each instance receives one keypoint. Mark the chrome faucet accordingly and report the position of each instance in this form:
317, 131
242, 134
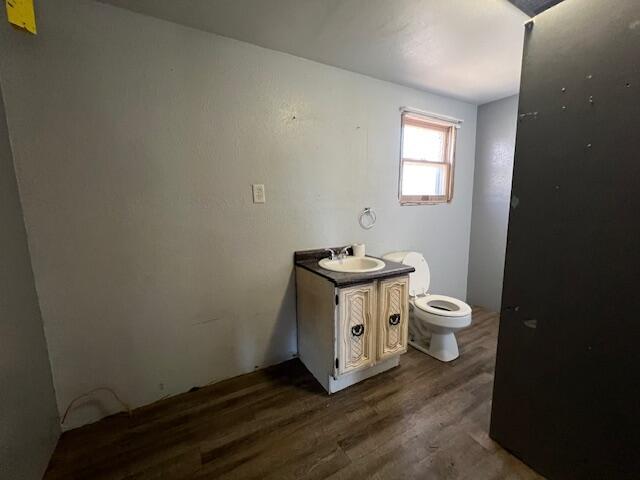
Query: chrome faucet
332, 252
344, 253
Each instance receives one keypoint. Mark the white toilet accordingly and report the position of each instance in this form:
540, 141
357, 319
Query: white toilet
433, 318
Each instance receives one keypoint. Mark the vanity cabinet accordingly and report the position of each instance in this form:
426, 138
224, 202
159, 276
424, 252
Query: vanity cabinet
347, 334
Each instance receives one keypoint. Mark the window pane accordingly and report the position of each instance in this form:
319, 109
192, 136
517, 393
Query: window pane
423, 179
421, 143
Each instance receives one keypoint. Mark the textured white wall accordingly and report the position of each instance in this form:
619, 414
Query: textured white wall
136, 141
495, 147
28, 415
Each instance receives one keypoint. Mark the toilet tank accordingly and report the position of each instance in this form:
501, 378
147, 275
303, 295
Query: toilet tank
418, 280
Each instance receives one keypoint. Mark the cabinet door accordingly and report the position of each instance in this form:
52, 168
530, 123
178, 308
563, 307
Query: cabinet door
356, 327
393, 316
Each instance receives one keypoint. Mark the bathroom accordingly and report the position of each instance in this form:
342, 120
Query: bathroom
164, 162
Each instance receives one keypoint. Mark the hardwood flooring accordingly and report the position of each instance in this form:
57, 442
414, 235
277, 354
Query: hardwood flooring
423, 419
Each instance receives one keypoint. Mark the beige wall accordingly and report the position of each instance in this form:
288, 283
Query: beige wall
28, 416
136, 141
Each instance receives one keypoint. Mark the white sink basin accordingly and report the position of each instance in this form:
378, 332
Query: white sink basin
352, 264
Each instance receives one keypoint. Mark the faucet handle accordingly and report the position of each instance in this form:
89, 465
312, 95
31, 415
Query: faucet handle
344, 252
332, 252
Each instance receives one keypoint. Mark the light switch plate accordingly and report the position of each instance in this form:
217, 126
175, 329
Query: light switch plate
258, 193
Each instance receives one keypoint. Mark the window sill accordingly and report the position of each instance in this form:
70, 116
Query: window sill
426, 201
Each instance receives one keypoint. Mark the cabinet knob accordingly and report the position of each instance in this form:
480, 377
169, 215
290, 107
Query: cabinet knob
394, 319
357, 330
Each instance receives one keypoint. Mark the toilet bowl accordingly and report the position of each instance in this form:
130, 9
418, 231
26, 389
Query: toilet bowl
433, 319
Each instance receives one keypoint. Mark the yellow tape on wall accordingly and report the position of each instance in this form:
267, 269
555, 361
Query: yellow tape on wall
22, 14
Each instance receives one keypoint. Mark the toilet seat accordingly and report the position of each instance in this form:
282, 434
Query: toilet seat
449, 306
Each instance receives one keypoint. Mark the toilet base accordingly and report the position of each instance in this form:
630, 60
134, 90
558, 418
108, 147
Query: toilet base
442, 346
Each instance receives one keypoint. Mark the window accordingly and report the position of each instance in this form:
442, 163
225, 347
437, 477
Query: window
426, 159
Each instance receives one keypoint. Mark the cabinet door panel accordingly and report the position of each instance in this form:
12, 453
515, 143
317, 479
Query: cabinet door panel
393, 317
356, 327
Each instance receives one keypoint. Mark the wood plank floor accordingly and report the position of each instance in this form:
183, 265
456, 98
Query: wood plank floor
423, 419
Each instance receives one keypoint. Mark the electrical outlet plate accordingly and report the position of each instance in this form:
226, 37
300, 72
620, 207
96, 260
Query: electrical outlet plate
258, 193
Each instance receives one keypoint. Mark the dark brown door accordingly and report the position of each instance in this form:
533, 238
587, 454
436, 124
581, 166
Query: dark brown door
567, 386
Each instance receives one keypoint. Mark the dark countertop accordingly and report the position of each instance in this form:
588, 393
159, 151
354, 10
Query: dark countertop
308, 259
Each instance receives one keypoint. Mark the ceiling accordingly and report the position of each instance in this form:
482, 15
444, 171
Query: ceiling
466, 49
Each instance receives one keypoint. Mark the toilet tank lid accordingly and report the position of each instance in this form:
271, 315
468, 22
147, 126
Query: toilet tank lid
418, 280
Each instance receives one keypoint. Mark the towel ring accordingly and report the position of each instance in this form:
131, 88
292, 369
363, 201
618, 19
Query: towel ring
367, 212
